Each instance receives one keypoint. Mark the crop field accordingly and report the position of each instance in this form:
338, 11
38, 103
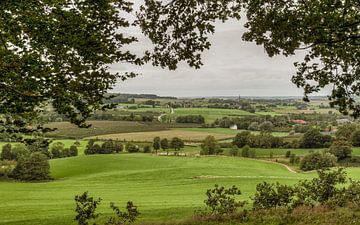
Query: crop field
189, 136
164, 188
67, 130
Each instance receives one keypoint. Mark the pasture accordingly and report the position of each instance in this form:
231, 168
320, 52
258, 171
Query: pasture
229, 131
67, 130
186, 135
164, 188
211, 114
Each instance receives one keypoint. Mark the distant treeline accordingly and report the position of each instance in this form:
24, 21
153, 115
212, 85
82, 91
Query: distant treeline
128, 98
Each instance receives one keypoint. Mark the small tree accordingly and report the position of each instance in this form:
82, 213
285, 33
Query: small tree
18, 151
245, 151
32, 167
6, 153
292, 159
266, 126
341, 149
176, 143
355, 138
131, 147
222, 201
156, 144
287, 154
85, 208
317, 160
73, 151
241, 139
57, 150
252, 153
164, 144
234, 151
210, 146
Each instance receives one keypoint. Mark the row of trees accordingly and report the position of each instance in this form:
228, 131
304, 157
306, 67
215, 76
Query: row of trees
164, 144
199, 119
264, 140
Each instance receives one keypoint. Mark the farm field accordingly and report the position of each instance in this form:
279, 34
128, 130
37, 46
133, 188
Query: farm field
186, 135
67, 130
229, 131
210, 114
164, 188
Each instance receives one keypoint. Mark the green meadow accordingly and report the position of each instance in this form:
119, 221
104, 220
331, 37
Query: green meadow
163, 187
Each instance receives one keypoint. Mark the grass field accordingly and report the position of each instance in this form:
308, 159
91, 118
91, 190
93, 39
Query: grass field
211, 114
186, 135
229, 131
67, 130
164, 188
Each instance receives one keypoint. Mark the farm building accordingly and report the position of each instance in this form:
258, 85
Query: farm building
298, 121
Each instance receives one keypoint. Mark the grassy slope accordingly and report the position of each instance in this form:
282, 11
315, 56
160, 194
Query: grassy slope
164, 188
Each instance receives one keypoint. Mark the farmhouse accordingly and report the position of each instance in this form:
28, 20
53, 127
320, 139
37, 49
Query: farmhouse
233, 127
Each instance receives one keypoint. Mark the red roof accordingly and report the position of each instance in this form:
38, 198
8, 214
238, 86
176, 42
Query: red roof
298, 121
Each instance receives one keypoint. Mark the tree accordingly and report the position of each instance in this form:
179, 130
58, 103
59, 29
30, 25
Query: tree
176, 143
355, 138
6, 153
241, 139
73, 151
345, 131
315, 161
18, 151
131, 147
314, 139
57, 150
266, 126
164, 144
210, 146
245, 151
341, 149
234, 151
156, 144
58, 51
34, 167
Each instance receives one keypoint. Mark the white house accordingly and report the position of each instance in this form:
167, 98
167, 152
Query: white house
233, 127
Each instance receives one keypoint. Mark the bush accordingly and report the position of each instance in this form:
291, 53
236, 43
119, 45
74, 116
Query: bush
355, 138
6, 153
18, 151
315, 161
272, 196
222, 201
57, 150
34, 167
252, 153
341, 149
147, 149
86, 210
234, 151
287, 154
245, 151
241, 139
131, 147
73, 151
199, 119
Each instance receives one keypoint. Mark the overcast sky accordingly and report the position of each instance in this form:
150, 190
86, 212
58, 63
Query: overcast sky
232, 67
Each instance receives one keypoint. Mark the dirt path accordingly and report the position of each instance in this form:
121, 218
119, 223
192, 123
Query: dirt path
284, 165
164, 114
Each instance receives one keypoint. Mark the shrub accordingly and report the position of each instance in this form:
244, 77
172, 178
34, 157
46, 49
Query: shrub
131, 147
86, 210
266, 126
6, 153
251, 153
245, 151
292, 159
18, 151
73, 151
317, 160
234, 151
355, 138
222, 201
32, 167
57, 150
272, 196
287, 154
147, 149
341, 149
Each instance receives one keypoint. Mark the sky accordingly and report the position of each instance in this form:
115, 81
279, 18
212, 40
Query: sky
232, 67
